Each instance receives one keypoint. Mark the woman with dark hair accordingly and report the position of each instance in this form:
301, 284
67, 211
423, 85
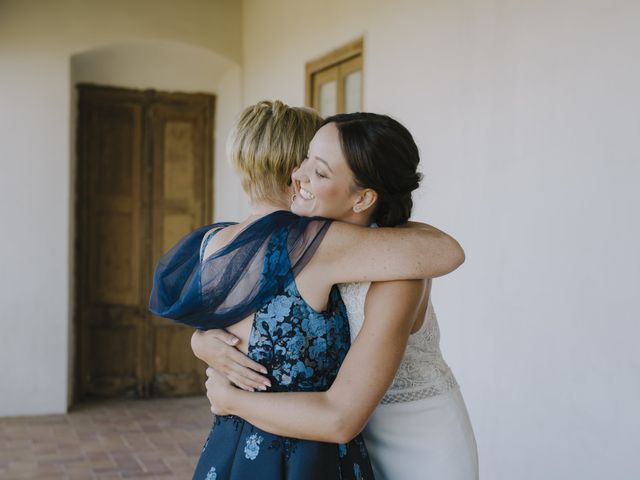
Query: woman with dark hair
362, 168
270, 280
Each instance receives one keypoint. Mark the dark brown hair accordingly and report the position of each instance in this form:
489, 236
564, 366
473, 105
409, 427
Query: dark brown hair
383, 156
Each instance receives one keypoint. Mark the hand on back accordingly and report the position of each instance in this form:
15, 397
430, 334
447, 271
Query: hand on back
217, 349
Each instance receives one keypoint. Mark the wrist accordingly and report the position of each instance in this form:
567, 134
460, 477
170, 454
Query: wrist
228, 399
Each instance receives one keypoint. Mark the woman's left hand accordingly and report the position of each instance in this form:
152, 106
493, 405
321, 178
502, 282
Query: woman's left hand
218, 390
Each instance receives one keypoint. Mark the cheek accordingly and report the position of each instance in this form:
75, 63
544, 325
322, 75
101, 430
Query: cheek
331, 196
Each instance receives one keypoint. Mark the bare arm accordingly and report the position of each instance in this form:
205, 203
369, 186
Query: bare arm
349, 253
340, 413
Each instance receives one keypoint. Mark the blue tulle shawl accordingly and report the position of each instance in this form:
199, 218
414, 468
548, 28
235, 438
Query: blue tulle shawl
230, 284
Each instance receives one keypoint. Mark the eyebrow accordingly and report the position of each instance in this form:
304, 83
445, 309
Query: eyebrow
324, 161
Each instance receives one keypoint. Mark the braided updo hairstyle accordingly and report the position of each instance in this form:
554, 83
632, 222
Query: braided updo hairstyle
383, 156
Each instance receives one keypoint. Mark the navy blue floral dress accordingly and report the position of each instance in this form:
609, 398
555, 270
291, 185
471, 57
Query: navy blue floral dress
302, 350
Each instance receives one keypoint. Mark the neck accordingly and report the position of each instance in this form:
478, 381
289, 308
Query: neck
260, 208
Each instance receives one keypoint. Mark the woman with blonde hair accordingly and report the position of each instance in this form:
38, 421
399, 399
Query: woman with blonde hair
271, 281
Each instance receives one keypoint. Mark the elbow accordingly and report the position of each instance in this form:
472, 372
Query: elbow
458, 256
442, 253
346, 428
452, 259
343, 420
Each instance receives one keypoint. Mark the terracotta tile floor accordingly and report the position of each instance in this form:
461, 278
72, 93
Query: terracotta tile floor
107, 440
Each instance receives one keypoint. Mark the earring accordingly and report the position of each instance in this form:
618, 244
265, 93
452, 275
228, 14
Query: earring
293, 197
356, 209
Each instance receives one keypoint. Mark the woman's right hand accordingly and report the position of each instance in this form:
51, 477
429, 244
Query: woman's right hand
217, 349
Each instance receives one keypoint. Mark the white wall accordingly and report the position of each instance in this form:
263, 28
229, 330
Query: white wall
37, 41
527, 118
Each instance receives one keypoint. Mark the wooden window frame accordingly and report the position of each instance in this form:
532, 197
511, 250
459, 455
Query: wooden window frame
335, 57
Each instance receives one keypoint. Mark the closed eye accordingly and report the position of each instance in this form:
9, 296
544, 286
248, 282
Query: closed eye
319, 174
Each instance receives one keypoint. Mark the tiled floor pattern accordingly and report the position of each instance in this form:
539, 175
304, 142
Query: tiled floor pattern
107, 440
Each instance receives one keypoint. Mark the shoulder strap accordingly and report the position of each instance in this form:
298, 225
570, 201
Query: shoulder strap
205, 241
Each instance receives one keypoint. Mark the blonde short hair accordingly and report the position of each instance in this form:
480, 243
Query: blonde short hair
268, 141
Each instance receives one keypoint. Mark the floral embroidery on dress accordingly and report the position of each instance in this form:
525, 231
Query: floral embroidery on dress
302, 350
236, 421
302, 347
286, 444
279, 309
252, 447
212, 475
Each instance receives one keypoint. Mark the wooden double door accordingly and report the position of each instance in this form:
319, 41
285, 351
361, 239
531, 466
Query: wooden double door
145, 171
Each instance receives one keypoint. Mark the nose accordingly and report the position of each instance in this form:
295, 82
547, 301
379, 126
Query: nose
299, 174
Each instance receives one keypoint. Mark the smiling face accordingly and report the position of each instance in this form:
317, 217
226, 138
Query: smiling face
324, 184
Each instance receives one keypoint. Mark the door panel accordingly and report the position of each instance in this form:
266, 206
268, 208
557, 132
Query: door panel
181, 175
109, 287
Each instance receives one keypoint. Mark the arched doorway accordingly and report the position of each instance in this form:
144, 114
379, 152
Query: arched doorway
144, 179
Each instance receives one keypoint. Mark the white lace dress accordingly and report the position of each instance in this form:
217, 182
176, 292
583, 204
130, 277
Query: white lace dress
421, 429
